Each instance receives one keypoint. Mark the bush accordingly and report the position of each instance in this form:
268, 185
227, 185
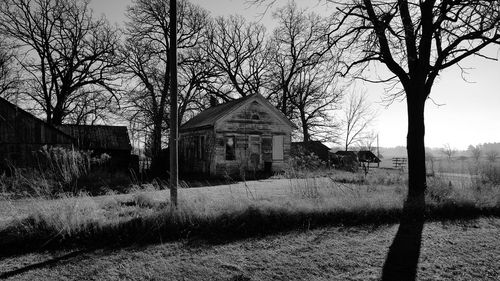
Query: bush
302, 162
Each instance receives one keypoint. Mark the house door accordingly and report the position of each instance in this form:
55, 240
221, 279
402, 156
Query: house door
254, 151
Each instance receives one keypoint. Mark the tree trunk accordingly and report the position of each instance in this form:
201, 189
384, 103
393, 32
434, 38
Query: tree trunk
415, 146
402, 260
305, 129
57, 116
156, 148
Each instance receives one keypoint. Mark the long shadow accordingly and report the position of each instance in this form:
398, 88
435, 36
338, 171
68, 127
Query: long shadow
402, 259
50, 262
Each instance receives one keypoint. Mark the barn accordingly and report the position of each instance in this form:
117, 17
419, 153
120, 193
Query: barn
22, 134
244, 135
111, 140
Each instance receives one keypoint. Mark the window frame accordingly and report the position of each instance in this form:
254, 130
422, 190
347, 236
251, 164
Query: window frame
233, 156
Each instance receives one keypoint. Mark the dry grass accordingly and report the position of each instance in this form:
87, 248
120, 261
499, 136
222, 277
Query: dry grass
459, 251
226, 212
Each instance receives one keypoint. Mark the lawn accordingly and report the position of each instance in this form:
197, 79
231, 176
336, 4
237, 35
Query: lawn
465, 250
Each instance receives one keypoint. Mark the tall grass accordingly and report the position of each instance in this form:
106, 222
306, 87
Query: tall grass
58, 171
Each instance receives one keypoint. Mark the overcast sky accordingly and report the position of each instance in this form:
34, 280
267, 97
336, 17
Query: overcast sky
469, 112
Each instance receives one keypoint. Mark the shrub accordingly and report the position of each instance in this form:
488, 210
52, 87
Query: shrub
438, 190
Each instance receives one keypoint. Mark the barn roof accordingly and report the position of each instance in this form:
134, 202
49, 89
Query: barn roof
368, 156
208, 117
347, 153
317, 147
99, 137
10, 107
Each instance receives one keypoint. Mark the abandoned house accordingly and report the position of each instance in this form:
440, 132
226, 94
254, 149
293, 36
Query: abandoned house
243, 135
22, 134
111, 140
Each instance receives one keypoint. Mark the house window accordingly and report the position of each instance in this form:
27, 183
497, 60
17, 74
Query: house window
255, 116
277, 147
230, 148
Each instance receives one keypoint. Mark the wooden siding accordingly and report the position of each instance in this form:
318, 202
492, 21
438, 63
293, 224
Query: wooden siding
196, 151
22, 134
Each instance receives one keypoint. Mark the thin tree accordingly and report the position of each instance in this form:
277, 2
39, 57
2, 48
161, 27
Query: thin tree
65, 50
475, 152
356, 120
448, 151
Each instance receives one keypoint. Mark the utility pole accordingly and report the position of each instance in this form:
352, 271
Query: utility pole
378, 153
174, 157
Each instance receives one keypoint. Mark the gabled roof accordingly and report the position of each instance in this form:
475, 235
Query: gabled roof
208, 117
99, 137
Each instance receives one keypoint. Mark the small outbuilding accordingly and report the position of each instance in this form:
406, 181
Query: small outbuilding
243, 135
111, 140
366, 156
316, 147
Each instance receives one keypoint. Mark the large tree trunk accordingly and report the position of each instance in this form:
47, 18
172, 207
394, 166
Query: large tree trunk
416, 149
57, 115
404, 253
305, 128
156, 148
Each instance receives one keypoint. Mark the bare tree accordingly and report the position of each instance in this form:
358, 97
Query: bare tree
356, 120
239, 53
146, 61
492, 155
299, 48
367, 141
475, 152
415, 41
66, 50
448, 151
313, 96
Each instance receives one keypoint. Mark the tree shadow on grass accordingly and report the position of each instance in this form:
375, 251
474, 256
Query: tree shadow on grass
402, 259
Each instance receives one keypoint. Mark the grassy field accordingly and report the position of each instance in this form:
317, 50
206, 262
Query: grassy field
464, 250
357, 212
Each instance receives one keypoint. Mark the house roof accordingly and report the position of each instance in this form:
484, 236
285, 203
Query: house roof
99, 137
208, 117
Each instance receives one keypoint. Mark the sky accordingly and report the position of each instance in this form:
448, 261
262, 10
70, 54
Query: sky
462, 113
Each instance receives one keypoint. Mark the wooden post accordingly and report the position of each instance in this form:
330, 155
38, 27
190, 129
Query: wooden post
174, 158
